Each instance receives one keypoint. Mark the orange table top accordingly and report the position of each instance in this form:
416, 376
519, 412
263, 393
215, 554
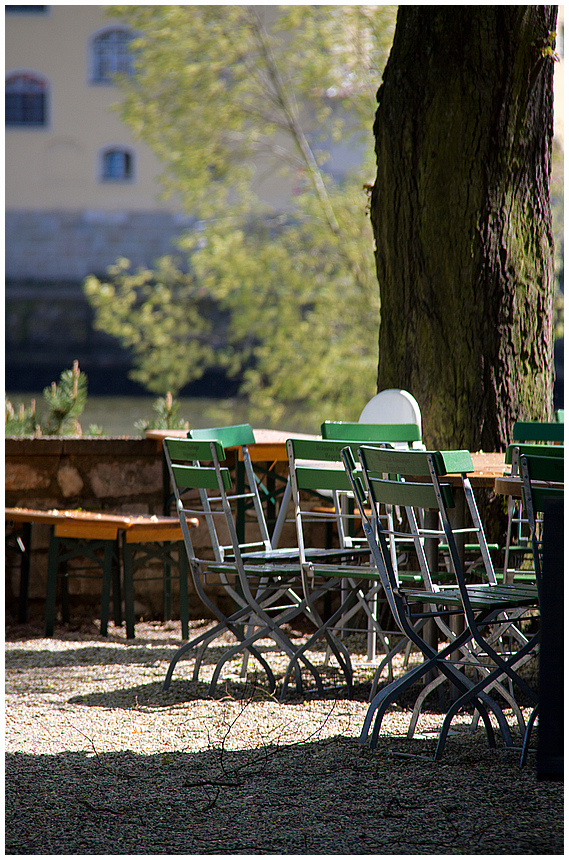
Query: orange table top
105, 526
487, 467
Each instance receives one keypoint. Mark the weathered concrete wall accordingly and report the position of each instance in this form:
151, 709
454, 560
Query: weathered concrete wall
71, 244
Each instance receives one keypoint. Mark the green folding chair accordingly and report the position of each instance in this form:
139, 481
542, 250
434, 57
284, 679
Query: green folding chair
539, 437
342, 573
239, 437
543, 481
267, 594
391, 478
406, 435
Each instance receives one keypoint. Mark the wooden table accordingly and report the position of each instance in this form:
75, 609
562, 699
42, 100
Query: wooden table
115, 535
487, 467
270, 449
270, 445
511, 485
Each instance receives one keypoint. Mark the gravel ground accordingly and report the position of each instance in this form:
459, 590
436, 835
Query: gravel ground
100, 761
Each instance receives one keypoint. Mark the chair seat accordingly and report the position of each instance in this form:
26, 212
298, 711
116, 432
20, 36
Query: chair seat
269, 571
471, 547
286, 554
481, 597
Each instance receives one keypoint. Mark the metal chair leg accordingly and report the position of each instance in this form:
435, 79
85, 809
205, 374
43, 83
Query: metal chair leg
108, 554
527, 735
184, 598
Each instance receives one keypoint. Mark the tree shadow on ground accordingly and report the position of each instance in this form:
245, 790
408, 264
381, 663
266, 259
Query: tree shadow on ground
324, 797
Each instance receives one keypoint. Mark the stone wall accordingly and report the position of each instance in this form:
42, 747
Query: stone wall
122, 474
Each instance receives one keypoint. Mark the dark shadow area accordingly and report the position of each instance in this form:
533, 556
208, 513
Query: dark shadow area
327, 797
185, 691
85, 622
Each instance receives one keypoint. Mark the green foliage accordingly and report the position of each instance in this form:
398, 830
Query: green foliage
65, 402
22, 422
167, 416
161, 316
242, 105
548, 50
307, 334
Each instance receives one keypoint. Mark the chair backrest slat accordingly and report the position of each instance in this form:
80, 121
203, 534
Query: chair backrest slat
408, 493
534, 448
546, 468
308, 478
384, 460
199, 477
538, 431
189, 450
354, 431
329, 450
229, 437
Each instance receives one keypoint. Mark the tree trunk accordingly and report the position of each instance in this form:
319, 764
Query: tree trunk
462, 219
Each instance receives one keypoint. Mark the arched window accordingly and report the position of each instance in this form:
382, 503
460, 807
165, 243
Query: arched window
110, 55
26, 100
117, 165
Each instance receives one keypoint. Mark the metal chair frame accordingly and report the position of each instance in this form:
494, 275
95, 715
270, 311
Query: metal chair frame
538, 437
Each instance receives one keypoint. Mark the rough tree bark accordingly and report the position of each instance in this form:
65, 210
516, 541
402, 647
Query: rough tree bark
462, 221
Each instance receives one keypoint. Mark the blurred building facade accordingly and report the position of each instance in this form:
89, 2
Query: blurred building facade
80, 191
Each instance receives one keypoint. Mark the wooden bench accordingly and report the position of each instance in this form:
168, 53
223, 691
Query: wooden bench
107, 540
